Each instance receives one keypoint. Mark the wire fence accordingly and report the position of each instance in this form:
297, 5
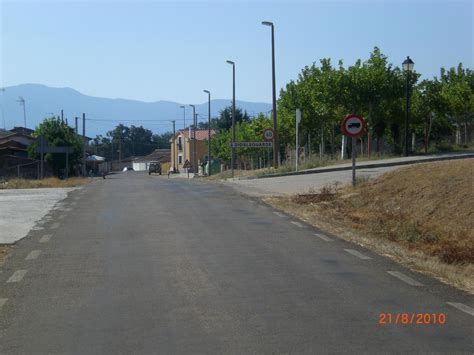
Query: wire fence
29, 170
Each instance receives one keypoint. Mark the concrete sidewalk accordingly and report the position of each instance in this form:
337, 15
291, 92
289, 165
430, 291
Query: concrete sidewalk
21, 209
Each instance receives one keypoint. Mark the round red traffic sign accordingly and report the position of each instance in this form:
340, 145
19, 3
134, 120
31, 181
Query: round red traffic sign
353, 125
268, 134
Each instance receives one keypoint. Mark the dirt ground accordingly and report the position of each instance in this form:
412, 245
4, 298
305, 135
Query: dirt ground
422, 216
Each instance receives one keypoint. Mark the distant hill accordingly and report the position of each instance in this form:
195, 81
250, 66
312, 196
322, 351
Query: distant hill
42, 100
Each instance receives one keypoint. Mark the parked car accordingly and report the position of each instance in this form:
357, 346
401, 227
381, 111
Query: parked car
154, 167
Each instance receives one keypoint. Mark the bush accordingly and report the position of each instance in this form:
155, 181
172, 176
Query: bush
443, 146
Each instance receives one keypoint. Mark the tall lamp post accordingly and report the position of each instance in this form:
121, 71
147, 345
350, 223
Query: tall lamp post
232, 160
408, 65
22, 102
208, 132
275, 125
184, 127
193, 155
3, 114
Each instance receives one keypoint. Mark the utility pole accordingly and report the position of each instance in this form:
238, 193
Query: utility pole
184, 137
3, 113
174, 146
76, 124
194, 144
22, 102
232, 160
209, 133
62, 117
120, 145
193, 155
84, 144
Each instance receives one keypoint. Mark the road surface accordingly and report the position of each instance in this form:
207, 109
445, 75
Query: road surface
145, 264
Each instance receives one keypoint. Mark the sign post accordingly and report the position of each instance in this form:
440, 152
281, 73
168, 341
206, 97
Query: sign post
353, 126
298, 120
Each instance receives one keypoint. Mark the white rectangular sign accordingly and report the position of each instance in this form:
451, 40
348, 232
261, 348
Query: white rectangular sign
251, 144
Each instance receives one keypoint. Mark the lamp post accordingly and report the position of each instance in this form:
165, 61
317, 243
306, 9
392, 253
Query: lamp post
232, 160
184, 127
408, 65
22, 102
3, 114
208, 132
193, 155
274, 114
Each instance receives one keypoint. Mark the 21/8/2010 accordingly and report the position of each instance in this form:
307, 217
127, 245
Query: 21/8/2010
412, 318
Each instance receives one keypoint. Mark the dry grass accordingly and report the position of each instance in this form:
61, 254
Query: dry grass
422, 216
3, 253
48, 182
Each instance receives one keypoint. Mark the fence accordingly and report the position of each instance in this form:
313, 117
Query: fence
29, 170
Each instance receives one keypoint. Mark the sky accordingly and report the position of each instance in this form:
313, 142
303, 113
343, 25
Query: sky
173, 50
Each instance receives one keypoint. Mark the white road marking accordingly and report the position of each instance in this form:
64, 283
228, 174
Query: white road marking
45, 238
33, 255
3, 301
356, 253
462, 307
323, 237
279, 214
405, 278
298, 224
55, 225
37, 228
17, 276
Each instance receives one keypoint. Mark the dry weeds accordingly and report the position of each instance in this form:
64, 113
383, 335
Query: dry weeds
48, 182
421, 216
3, 253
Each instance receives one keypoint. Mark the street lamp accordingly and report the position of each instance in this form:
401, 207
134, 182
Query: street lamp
3, 114
232, 160
194, 139
184, 127
408, 65
22, 102
274, 114
208, 132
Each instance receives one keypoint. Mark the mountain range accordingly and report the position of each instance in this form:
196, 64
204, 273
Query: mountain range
103, 114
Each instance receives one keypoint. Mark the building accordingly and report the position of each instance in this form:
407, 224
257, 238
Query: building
142, 163
14, 160
182, 149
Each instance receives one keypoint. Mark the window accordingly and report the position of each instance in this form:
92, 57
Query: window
180, 159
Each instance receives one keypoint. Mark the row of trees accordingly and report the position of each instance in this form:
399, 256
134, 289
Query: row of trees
121, 142
376, 90
124, 141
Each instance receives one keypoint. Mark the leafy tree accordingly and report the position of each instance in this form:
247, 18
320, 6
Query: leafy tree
457, 92
58, 134
225, 118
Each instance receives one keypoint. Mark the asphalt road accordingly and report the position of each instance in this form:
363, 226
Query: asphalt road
139, 264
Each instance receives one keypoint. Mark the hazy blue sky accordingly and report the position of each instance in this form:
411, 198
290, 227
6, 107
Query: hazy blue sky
155, 50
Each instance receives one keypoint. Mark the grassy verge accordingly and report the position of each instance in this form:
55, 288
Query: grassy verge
48, 182
421, 216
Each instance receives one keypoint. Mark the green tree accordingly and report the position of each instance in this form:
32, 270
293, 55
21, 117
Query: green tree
58, 134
